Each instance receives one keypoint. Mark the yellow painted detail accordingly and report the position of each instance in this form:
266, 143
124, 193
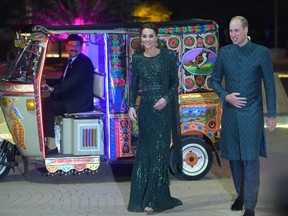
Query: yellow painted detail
93, 166
52, 169
5, 101
30, 104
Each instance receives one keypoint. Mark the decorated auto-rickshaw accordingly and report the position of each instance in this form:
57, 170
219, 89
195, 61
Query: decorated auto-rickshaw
87, 139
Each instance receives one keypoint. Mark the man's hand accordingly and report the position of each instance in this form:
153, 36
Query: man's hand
45, 87
271, 124
235, 100
46, 90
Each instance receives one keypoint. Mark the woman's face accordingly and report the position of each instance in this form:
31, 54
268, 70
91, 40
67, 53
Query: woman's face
148, 38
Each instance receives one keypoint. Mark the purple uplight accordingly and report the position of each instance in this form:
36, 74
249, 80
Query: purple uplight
79, 21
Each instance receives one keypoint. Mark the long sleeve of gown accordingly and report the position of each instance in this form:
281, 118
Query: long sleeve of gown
134, 87
173, 78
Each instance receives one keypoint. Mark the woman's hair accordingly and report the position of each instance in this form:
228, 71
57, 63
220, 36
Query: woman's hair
139, 48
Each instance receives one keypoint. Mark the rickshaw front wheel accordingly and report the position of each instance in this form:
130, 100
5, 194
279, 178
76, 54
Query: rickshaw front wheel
5, 158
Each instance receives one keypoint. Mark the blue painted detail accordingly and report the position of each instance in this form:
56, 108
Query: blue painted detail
112, 139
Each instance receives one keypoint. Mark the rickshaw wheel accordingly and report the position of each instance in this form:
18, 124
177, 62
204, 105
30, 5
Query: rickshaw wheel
197, 158
5, 157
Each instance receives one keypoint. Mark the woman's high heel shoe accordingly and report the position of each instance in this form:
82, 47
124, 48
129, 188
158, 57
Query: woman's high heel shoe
148, 210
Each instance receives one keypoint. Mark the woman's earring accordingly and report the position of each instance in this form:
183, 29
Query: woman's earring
142, 45
156, 44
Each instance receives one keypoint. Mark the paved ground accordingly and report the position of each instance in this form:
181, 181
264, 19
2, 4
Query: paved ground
107, 192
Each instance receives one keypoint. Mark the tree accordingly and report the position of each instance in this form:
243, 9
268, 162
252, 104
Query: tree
79, 12
65, 12
152, 12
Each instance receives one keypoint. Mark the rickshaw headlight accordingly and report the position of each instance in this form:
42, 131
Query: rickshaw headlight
30, 104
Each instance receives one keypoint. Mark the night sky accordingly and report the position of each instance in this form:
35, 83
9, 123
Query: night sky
260, 15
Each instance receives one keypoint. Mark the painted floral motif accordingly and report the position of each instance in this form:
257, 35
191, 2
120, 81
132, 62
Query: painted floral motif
189, 83
125, 136
210, 39
200, 41
208, 82
189, 41
134, 43
118, 82
117, 73
181, 29
200, 80
173, 42
117, 65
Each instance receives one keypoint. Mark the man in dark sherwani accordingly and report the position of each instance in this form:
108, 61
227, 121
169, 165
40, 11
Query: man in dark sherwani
244, 65
72, 93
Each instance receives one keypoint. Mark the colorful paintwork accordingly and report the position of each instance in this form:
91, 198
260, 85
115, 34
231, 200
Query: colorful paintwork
199, 61
89, 138
194, 48
9, 88
118, 81
121, 137
199, 56
68, 164
17, 129
5, 133
198, 114
180, 29
38, 37
201, 114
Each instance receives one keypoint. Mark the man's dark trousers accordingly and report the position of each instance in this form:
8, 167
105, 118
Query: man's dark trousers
246, 177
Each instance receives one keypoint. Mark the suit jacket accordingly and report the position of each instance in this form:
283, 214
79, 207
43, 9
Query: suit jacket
76, 90
244, 69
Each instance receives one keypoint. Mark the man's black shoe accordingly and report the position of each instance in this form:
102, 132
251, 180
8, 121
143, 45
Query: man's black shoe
237, 205
249, 212
51, 151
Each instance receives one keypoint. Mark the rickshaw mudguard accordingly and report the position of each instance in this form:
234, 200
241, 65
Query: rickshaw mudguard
201, 116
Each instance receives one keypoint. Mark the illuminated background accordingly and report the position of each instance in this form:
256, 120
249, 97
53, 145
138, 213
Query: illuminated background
267, 18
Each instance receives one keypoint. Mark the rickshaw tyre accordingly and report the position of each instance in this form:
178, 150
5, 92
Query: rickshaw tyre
203, 150
4, 170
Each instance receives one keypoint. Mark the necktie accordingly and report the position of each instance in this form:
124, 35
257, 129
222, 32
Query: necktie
69, 65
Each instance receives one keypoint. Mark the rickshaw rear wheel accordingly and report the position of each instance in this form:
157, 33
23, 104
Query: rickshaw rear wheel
196, 156
5, 157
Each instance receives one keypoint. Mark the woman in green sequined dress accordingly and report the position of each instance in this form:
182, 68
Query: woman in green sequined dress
158, 116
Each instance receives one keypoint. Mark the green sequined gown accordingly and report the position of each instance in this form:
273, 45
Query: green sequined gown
150, 176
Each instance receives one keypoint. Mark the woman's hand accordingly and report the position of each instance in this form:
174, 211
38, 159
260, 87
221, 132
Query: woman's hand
161, 103
132, 114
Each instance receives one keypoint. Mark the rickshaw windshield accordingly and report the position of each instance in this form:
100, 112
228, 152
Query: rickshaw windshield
26, 64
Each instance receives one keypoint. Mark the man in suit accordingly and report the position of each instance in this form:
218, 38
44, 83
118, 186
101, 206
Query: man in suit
73, 92
244, 65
